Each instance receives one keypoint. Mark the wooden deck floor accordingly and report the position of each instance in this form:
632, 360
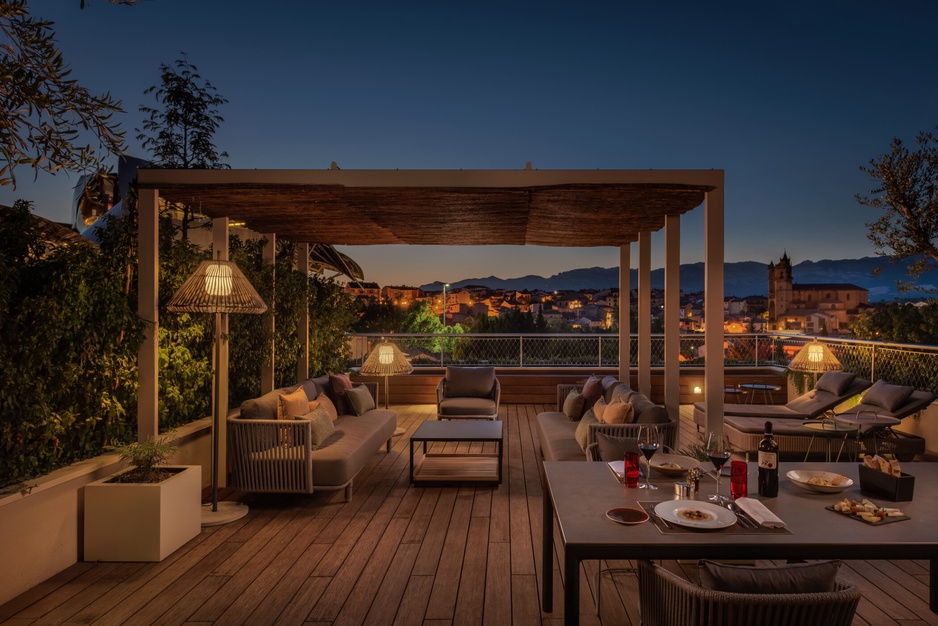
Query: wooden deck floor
395, 554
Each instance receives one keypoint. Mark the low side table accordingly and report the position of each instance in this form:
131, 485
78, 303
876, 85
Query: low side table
865, 423
828, 429
767, 391
438, 468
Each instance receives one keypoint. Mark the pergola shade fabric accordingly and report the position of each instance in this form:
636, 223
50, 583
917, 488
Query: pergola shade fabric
466, 208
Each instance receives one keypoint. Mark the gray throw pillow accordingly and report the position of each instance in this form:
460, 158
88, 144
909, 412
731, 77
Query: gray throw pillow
582, 429
574, 405
614, 448
889, 397
321, 425
359, 398
835, 382
816, 577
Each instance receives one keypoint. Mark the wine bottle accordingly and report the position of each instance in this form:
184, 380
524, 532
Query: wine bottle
768, 464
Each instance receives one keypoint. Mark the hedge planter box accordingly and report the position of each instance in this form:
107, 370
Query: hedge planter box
141, 521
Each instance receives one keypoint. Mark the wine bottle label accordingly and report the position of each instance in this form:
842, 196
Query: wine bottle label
768, 460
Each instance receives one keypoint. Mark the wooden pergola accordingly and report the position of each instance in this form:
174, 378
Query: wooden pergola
561, 208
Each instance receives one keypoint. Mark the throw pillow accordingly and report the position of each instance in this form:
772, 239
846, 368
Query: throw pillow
324, 401
835, 382
574, 405
340, 384
619, 412
582, 429
292, 405
889, 397
592, 390
816, 577
600, 408
360, 399
614, 448
321, 425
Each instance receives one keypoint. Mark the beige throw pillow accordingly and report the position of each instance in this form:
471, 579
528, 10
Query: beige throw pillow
600, 408
324, 401
292, 405
619, 412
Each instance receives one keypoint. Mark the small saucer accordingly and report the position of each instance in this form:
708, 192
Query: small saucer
624, 515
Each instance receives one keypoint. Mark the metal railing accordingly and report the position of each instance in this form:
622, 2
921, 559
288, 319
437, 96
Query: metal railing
907, 364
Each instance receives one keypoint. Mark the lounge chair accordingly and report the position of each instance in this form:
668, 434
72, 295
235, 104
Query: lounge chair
831, 389
468, 393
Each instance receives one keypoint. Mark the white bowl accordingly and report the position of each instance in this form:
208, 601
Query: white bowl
838, 482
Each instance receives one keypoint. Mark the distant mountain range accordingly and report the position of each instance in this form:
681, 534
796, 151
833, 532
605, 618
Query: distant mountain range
746, 278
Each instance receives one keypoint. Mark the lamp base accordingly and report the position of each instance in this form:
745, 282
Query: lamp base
227, 512
398, 432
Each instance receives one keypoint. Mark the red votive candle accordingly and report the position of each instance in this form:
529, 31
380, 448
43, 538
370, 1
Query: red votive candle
739, 479
631, 469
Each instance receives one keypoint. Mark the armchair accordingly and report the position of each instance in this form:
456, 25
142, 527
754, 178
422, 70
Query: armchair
468, 393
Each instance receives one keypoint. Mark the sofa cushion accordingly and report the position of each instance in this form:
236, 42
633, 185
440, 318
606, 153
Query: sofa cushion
835, 382
292, 405
467, 406
618, 390
817, 577
355, 440
614, 448
470, 382
619, 412
360, 399
889, 397
574, 405
321, 425
592, 390
582, 430
555, 433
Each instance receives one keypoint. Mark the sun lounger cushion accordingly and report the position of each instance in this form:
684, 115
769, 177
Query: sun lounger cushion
889, 397
835, 382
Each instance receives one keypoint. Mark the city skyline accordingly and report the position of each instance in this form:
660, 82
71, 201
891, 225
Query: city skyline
788, 100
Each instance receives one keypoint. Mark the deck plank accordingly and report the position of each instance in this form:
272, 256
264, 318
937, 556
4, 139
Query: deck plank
396, 554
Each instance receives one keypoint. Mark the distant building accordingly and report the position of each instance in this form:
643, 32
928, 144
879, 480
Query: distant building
369, 292
401, 296
796, 307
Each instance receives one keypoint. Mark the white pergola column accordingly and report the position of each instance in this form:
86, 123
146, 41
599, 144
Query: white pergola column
302, 364
625, 313
220, 251
672, 317
713, 305
644, 313
148, 265
267, 369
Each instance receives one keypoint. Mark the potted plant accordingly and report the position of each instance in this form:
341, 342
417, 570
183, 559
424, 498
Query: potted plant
146, 512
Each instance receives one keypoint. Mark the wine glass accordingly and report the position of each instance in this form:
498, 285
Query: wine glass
718, 451
648, 444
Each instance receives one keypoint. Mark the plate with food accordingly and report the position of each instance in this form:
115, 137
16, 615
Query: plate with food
673, 465
694, 514
819, 481
627, 516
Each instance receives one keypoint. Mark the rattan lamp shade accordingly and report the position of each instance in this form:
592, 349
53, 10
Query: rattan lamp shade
386, 360
814, 358
217, 287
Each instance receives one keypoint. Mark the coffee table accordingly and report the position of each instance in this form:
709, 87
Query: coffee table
464, 467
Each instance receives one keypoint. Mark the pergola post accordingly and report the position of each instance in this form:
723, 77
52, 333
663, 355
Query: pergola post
267, 369
625, 313
302, 365
148, 252
713, 305
672, 318
644, 313
220, 251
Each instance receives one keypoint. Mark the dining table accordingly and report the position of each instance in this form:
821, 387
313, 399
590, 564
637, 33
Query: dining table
577, 497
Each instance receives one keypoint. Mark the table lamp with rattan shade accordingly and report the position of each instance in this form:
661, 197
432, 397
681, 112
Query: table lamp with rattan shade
814, 357
217, 287
386, 360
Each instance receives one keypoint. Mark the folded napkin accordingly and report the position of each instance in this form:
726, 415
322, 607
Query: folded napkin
757, 511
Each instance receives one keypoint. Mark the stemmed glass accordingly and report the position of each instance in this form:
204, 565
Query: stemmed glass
648, 444
718, 452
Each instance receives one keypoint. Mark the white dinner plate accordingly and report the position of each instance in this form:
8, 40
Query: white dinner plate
800, 478
684, 463
695, 514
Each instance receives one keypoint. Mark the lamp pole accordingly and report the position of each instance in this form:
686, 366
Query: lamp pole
445, 285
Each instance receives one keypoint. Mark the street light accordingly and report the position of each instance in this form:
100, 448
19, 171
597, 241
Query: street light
445, 285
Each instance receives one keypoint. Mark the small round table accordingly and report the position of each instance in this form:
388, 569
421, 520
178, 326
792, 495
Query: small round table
866, 423
828, 429
766, 390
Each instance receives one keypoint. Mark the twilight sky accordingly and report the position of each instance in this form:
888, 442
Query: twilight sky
789, 98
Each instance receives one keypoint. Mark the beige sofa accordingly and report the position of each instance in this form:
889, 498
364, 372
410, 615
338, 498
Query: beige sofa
556, 432
276, 456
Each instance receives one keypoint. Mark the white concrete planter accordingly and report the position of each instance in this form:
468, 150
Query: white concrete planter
142, 522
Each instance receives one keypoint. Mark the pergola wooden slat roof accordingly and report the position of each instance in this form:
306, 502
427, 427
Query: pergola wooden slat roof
462, 207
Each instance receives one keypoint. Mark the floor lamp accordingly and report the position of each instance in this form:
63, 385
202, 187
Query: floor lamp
386, 360
217, 287
816, 358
